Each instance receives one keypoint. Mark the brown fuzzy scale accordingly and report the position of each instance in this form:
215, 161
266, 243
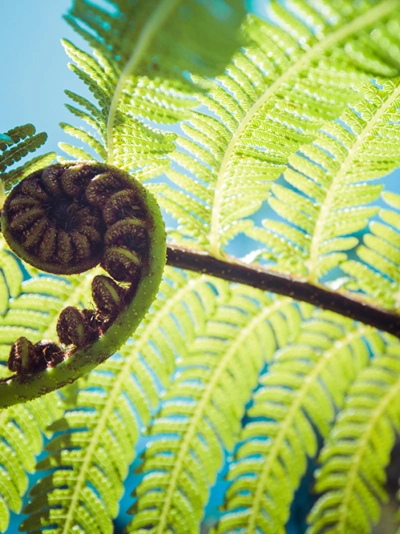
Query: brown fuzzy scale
66, 219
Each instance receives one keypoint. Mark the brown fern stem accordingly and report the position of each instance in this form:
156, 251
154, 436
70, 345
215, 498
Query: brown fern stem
256, 276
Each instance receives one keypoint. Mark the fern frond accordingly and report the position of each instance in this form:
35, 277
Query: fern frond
201, 411
294, 406
378, 276
96, 438
14, 146
137, 70
10, 277
21, 440
352, 476
272, 99
330, 194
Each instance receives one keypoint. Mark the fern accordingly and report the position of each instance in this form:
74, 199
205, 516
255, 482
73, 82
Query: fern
378, 275
357, 451
330, 176
112, 404
220, 377
272, 99
201, 411
132, 77
292, 409
14, 146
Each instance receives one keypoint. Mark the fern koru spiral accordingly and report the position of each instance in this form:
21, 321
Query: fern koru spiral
66, 219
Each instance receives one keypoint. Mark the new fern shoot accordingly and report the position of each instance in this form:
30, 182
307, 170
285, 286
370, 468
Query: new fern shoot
253, 393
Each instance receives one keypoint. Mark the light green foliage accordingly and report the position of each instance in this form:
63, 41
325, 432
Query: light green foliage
295, 405
136, 73
14, 146
96, 437
273, 97
201, 412
379, 275
330, 194
357, 451
221, 378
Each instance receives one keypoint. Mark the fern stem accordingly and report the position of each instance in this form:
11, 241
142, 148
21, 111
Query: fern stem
371, 16
147, 34
297, 288
337, 182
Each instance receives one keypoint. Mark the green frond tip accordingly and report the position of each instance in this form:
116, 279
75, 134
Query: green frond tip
352, 476
295, 405
15, 145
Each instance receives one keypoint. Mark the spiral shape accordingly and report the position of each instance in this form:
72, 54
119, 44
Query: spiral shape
66, 219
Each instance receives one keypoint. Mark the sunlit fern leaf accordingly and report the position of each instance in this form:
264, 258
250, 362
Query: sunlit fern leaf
379, 274
95, 441
201, 411
10, 277
293, 408
21, 430
273, 97
357, 452
138, 70
15, 145
330, 194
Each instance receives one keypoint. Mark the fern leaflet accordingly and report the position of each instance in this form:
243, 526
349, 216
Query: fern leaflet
274, 96
96, 438
378, 276
295, 404
201, 411
357, 452
330, 176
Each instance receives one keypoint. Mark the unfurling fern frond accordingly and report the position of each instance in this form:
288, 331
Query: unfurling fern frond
274, 96
379, 274
14, 146
138, 69
96, 438
330, 178
352, 476
292, 409
201, 411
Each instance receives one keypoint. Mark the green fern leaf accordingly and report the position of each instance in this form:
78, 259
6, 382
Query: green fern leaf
272, 99
295, 404
21, 439
15, 145
96, 438
132, 76
201, 412
379, 274
357, 452
329, 176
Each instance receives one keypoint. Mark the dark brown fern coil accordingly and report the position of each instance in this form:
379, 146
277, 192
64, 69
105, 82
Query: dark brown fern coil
66, 219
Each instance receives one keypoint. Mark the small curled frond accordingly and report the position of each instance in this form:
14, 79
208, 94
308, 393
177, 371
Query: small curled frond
377, 275
286, 80
324, 200
201, 411
292, 409
357, 452
15, 145
66, 219
96, 437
